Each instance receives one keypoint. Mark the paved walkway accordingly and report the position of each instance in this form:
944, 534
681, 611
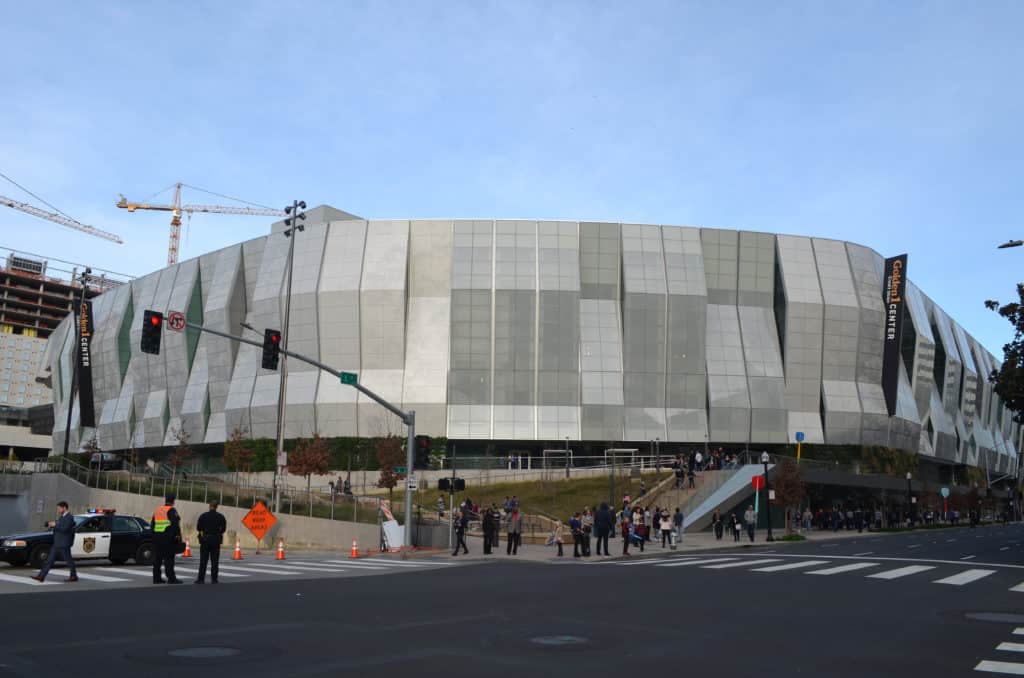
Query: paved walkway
701, 541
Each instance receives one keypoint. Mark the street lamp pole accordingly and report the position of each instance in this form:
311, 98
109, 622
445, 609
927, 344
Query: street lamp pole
910, 513
295, 217
767, 499
566, 457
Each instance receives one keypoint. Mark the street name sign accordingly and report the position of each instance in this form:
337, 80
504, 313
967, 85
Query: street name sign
350, 378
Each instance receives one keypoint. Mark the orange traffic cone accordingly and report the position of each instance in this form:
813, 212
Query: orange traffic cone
355, 549
280, 549
238, 549
188, 551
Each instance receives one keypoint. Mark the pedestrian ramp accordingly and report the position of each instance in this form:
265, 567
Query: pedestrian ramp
940, 573
731, 491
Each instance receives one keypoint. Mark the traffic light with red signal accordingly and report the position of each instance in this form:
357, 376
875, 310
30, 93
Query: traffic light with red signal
152, 330
421, 453
271, 348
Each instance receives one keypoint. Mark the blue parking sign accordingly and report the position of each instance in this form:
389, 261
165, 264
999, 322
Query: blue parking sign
799, 436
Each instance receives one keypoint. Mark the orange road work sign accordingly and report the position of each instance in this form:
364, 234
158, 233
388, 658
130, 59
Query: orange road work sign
259, 520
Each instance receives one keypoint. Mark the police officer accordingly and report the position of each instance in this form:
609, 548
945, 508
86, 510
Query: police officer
211, 527
167, 533
461, 521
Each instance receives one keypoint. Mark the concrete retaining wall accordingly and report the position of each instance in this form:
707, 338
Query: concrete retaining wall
297, 531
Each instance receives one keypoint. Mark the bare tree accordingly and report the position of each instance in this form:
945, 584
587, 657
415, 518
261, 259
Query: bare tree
389, 455
237, 455
789, 489
182, 451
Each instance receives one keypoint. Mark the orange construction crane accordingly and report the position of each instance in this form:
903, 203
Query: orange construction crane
177, 208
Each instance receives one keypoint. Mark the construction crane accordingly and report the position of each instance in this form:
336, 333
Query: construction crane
177, 208
56, 216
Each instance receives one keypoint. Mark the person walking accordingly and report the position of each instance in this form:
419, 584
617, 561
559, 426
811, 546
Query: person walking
461, 521
691, 475
716, 522
604, 521
514, 528
750, 518
63, 538
211, 527
625, 528
677, 525
166, 536
734, 527
559, 536
577, 534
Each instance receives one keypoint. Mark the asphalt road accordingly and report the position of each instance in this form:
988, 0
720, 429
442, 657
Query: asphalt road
666, 614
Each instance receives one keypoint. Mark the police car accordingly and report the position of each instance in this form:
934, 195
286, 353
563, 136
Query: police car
98, 534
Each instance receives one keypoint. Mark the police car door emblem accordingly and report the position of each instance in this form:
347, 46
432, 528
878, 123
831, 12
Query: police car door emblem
89, 544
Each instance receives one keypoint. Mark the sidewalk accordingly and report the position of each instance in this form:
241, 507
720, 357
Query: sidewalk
695, 543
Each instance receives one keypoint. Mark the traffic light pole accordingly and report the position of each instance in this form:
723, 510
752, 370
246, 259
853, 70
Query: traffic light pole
282, 395
408, 418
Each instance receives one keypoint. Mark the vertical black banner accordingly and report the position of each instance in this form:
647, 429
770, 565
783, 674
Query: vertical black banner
87, 412
893, 294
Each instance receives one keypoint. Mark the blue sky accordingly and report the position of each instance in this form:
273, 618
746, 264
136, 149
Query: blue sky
896, 125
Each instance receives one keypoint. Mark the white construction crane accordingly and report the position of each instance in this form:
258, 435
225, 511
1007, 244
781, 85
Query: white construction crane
58, 219
177, 208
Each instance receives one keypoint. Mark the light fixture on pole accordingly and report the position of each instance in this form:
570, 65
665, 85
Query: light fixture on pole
767, 498
567, 457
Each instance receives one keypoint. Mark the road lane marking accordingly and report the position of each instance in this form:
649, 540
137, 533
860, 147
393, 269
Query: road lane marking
950, 541
365, 566
1011, 647
1019, 588
1013, 668
914, 546
742, 563
902, 572
1019, 631
844, 568
388, 563
99, 577
706, 561
302, 568
866, 553
1005, 548
965, 577
24, 580
790, 566
645, 562
967, 557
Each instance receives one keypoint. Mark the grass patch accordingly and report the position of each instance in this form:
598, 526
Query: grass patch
552, 498
793, 537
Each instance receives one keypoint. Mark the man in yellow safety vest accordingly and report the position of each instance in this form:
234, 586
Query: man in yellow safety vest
166, 536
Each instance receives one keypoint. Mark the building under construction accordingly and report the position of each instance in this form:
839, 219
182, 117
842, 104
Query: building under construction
33, 301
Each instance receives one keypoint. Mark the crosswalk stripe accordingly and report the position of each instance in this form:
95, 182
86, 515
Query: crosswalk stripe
902, 572
741, 564
319, 566
965, 577
844, 568
1012, 668
1019, 631
1019, 588
140, 572
99, 577
219, 574
790, 566
252, 568
295, 569
646, 562
24, 580
706, 561
1011, 647
390, 563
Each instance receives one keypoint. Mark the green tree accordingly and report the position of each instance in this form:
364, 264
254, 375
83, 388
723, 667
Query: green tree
1008, 380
